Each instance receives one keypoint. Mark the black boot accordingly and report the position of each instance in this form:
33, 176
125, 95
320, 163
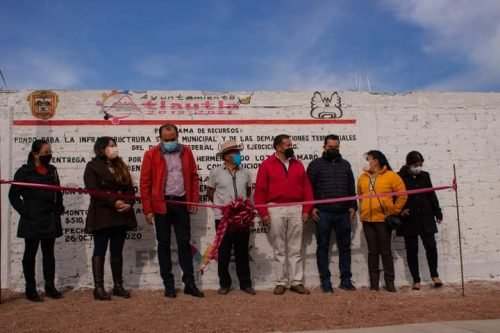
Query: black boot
29, 275
98, 271
49, 272
116, 270
51, 291
190, 288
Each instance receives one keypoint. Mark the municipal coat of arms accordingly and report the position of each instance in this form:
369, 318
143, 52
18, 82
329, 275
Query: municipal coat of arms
43, 104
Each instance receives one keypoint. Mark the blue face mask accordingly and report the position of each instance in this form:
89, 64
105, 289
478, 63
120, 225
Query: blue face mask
236, 159
170, 146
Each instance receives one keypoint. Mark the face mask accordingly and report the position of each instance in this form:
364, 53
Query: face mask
170, 146
45, 159
366, 166
289, 152
236, 159
415, 170
111, 153
332, 153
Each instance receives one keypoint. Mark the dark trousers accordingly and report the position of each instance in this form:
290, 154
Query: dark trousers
429, 242
116, 239
178, 217
341, 224
378, 239
49, 262
239, 240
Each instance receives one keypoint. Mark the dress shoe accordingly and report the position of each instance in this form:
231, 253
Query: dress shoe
300, 289
170, 293
327, 290
223, 291
249, 290
437, 282
416, 286
390, 288
192, 289
347, 285
279, 290
326, 286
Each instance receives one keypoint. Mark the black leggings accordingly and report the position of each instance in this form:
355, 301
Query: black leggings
429, 242
115, 237
49, 262
31, 248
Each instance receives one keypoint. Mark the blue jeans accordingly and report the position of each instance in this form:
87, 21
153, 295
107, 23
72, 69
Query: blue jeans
341, 224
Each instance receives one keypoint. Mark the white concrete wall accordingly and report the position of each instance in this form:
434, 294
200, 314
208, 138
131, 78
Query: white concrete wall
447, 128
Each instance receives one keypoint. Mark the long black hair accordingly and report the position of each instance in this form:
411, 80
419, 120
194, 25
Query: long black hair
380, 157
35, 149
122, 173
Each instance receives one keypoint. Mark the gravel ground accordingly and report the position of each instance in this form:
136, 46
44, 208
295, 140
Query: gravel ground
149, 311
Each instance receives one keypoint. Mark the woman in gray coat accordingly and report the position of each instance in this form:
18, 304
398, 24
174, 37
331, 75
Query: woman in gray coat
109, 217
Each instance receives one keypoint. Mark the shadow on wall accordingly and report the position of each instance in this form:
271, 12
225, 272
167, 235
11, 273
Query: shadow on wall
73, 268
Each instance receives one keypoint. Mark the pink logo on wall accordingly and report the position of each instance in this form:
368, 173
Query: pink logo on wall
120, 104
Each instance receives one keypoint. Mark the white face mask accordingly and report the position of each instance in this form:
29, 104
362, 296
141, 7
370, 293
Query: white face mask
111, 152
415, 170
366, 166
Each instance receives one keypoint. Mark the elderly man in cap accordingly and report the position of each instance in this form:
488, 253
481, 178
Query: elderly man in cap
226, 183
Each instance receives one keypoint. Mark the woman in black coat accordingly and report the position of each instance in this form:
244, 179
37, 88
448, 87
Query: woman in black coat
420, 214
40, 221
109, 218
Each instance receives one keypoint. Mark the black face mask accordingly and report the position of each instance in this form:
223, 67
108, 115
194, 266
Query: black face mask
45, 159
332, 153
288, 152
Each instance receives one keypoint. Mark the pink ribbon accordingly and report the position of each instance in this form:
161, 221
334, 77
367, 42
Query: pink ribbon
209, 205
238, 215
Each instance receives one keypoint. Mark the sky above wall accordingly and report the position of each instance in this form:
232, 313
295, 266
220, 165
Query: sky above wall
224, 45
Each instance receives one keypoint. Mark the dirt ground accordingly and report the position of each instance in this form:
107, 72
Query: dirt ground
149, 311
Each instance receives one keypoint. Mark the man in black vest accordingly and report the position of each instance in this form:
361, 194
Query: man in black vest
331, 177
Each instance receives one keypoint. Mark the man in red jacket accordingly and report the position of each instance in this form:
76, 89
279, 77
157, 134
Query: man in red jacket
282, 179
169, 173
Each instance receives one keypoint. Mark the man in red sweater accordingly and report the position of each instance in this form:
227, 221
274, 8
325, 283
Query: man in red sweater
282, 179
169, 173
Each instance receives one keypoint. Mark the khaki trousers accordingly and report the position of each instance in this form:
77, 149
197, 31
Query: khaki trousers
285, 236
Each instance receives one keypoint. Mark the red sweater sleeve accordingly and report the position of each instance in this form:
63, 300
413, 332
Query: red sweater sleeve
146, 183
308, 194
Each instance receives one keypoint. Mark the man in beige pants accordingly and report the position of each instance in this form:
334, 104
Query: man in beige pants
282, 179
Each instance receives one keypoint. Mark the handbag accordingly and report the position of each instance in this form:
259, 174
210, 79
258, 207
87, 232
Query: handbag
392, 221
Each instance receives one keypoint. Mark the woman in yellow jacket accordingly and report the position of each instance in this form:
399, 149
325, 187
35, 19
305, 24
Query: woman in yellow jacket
378, 178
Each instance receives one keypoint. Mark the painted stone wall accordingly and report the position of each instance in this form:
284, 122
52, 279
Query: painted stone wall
447, 128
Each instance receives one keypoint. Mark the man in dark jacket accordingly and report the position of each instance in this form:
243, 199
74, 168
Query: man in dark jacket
331, 177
